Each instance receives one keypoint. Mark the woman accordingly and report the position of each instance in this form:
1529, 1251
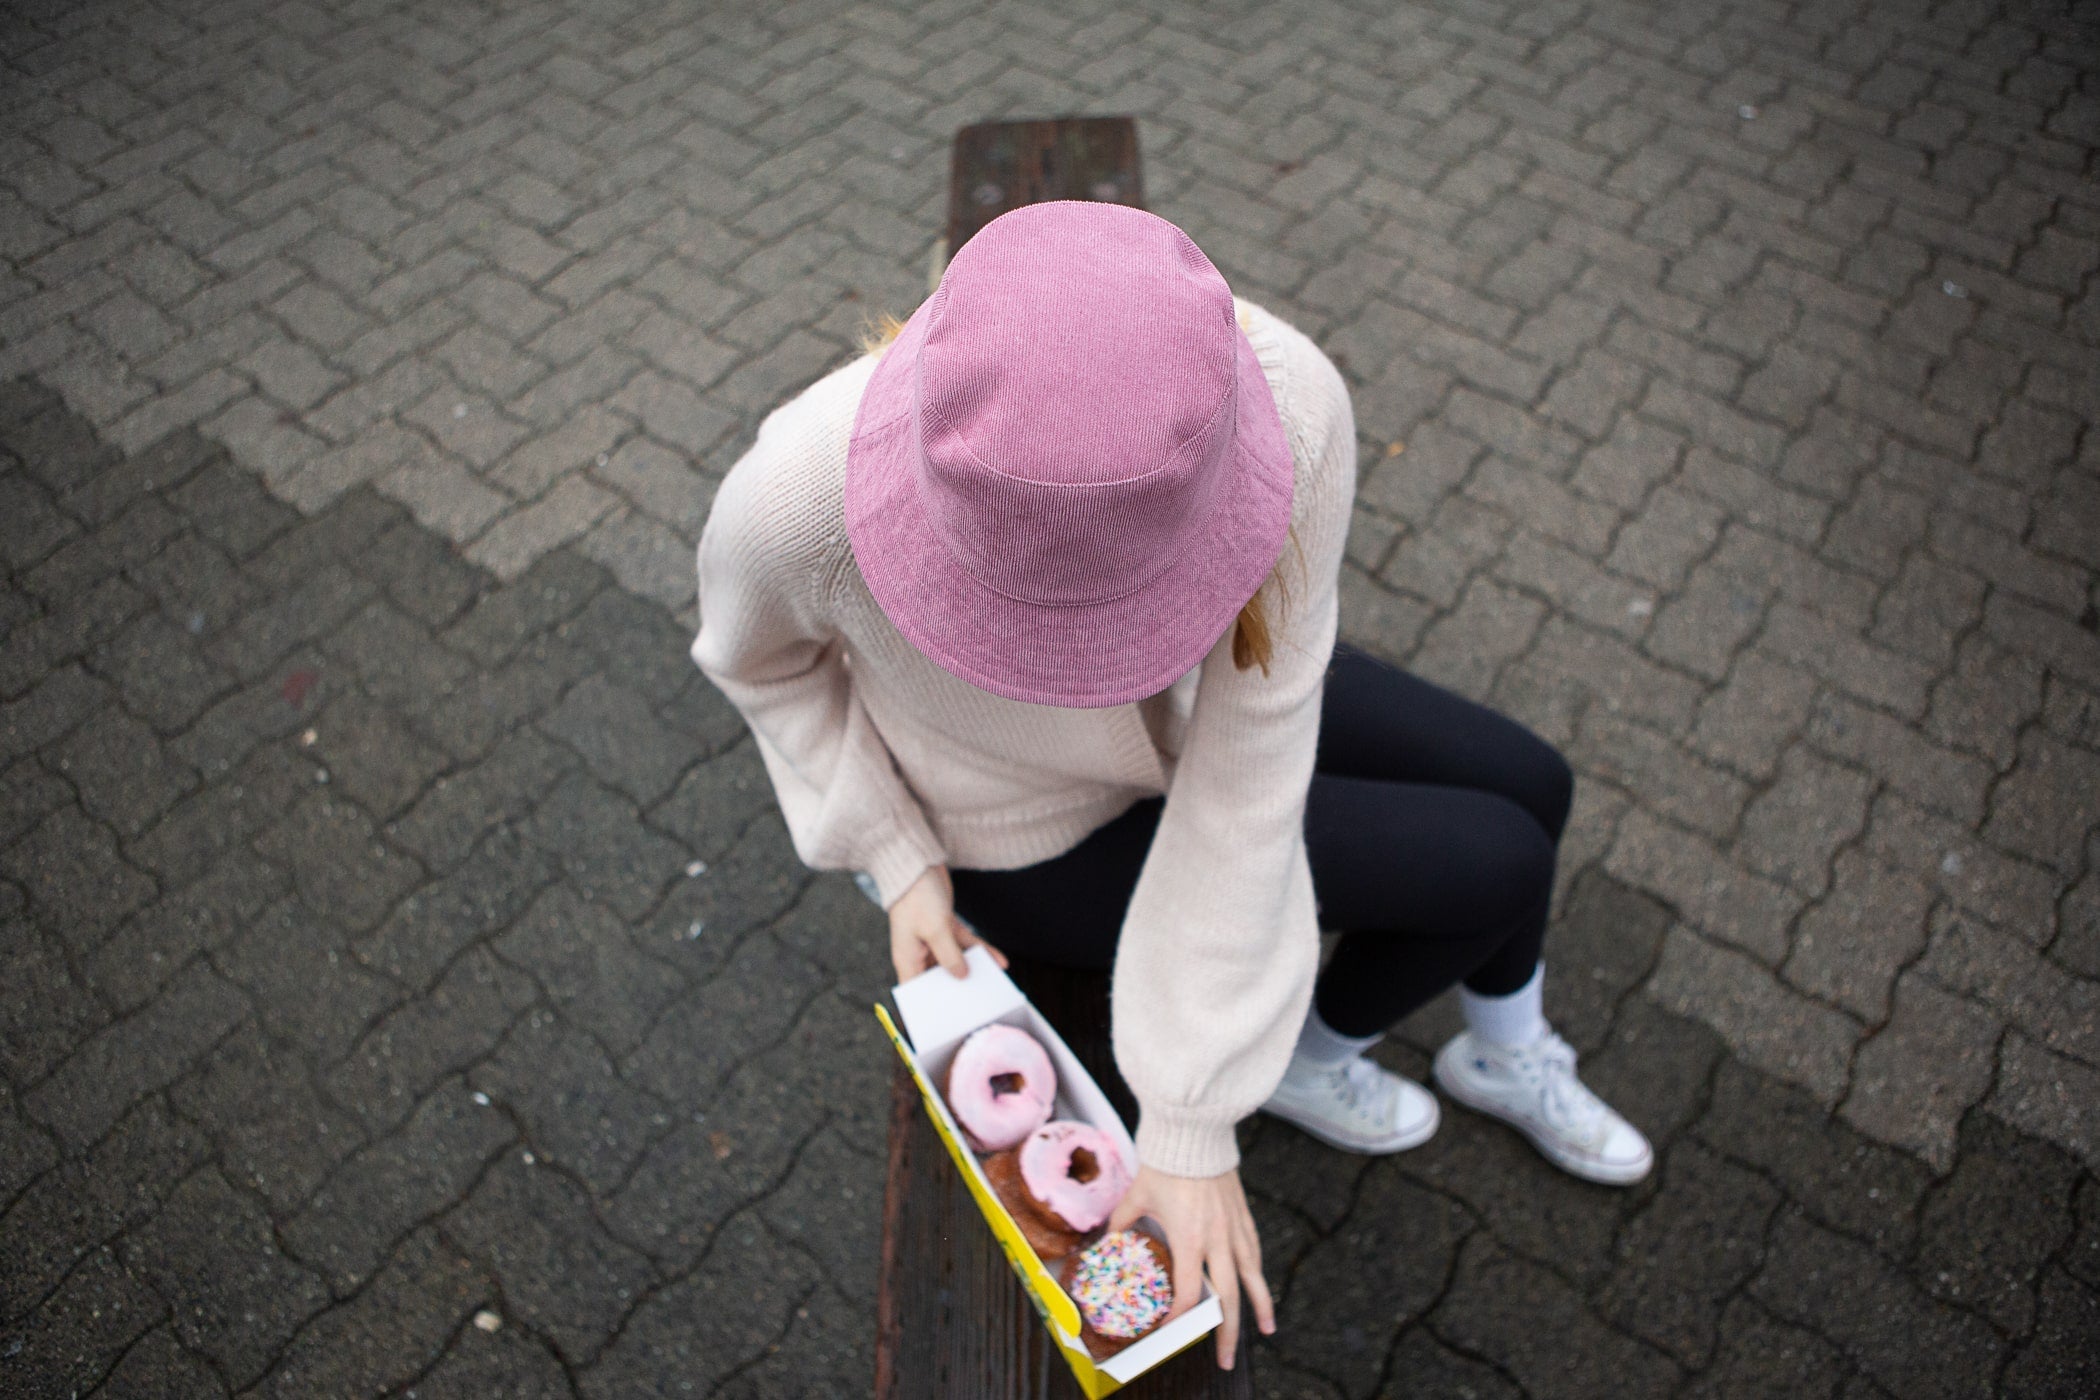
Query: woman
1032, 617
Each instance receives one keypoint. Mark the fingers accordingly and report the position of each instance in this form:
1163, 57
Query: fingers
941, 941
1258, 1294
1225, 1282
1247, 1245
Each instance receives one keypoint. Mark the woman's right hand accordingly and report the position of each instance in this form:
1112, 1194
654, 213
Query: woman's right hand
925, 931
1209, 1231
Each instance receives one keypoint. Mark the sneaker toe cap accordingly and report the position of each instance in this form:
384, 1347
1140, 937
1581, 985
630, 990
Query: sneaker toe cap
1624, 1148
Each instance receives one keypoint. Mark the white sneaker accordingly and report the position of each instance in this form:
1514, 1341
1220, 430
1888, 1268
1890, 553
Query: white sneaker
1534, 1088
1357, 1106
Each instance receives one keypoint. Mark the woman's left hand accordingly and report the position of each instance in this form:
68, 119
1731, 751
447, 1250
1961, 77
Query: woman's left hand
1209, 1230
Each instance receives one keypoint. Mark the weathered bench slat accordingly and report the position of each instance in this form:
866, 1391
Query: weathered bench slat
997, 166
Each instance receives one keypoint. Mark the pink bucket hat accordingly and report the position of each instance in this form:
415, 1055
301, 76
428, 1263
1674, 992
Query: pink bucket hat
1067, 474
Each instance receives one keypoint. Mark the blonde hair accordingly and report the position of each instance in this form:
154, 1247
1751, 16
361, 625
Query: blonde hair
1253, 643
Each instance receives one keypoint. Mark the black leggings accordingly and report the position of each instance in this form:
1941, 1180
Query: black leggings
1431, 824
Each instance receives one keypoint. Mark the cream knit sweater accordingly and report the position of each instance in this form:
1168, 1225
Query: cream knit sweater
885, 763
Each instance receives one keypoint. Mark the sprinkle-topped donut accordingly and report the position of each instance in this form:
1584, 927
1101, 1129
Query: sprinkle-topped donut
1000, 1086
1073, 1172
1121, 1284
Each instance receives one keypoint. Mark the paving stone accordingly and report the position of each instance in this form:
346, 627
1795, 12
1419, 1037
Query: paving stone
1898, 1336
2060, 1360
351, 1224
1847, 1181
2047, 1095
121, 772
2005, 892
577, 1112
338, 862
462, 807
132, 966
310, 993
232, 1296
49, 1013
829, 1208
2039, 809
746, 1292
76, 1335
594, 836
505, 1362
1694, 1243
1891, 1102
1671, 783
371, 756
1849, 946
581, 956
1759, 1355
2006, 975
1793, 828
1687, 872
1383, 1270
273, 1133
1776, 1030
391, 1331
620, 740
161, 671
157, 1368
504, 619
72, 1212
1987, 1231
560, 1272
444, 1032
1935, 777
1535, 1327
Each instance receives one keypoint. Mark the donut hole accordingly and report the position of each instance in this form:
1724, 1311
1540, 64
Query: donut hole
1084, 1167
1007, 1084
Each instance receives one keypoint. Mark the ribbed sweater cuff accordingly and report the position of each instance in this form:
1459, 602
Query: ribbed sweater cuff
1185, 1143
894, 863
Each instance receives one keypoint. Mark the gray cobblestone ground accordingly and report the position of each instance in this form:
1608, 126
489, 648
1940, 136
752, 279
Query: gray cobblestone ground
1726, 377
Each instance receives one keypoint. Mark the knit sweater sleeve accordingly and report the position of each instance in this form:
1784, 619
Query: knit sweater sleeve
766, 562
1220, 944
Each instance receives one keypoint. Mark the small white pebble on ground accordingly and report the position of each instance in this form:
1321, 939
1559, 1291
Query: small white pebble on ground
1954, 289
481, 1098
696, 868
1747, 112
699, 927
1950, 863
604, 460
527, 1158
1640, 607
487, 1321
309, 738
459, 410
321, 775
196, 622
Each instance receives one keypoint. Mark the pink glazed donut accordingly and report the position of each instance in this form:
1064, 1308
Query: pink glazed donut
1073, 1173
1000, 1087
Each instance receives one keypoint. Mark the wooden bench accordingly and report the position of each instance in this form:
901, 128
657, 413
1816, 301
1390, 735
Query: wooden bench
951, 1318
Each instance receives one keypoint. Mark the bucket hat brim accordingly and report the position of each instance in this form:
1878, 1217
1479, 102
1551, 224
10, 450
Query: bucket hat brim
1080, 656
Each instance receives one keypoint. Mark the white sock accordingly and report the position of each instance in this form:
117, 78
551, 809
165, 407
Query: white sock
1514, 1020
1321, 1046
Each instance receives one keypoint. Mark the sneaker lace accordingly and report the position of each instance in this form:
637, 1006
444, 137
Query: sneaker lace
1363, 1088
1568, 1105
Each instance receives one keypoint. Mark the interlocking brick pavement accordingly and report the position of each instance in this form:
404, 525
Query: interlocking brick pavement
1726, 378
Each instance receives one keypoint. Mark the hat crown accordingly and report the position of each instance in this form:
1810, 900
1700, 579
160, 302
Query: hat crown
1075, 401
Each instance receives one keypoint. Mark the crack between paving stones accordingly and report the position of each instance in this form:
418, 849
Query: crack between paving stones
668, 1279
772, 1347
